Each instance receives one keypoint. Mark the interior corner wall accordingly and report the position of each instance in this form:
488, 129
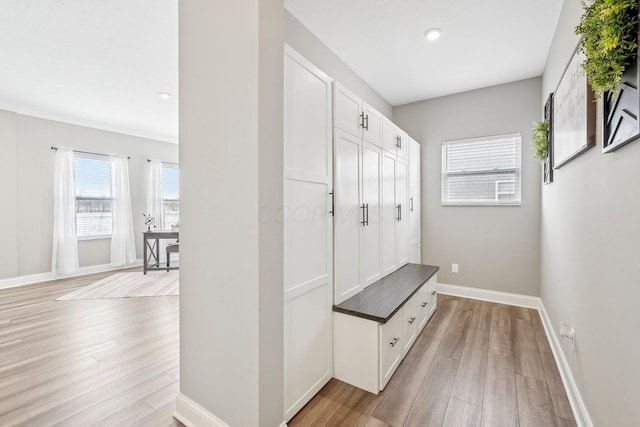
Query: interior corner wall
308, 45
590, 258
496, 247
27, 174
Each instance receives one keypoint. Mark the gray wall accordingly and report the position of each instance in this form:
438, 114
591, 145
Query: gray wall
590, 263
231, 271
496, 247
309, 46
27, 173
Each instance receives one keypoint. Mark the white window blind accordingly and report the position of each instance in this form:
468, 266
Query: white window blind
94, 182
482, 171
171, 194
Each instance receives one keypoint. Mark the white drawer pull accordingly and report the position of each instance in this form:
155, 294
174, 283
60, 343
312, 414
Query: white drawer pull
394, 342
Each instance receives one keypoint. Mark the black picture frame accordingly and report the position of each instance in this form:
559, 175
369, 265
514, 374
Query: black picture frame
548, 162
574, 113
621, 109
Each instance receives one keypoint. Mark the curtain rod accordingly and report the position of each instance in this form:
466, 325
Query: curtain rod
89, 152
166, 163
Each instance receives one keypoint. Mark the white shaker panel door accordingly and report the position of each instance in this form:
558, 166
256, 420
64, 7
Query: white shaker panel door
371, 253
347, 110
349, 215
372, 125
414, 201
402, 220
389, 262
308, 232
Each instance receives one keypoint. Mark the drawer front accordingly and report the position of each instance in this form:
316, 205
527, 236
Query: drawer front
390, 348
433, 293
409, 323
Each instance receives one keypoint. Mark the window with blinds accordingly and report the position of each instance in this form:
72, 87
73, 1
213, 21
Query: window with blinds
94, 182
171, 194
482, 171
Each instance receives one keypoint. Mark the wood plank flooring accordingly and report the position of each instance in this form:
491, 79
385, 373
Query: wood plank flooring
111, 362
475, 364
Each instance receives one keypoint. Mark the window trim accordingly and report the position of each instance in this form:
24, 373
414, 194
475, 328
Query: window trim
107, 158
517, 170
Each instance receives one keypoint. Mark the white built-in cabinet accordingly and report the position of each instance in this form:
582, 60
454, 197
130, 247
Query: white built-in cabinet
414, 202
308, 231
349, 212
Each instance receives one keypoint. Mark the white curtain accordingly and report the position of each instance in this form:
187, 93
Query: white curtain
155, 205
64, 259
123, 247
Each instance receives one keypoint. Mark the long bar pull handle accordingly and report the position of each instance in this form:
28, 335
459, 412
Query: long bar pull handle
366, 126
364, 220
411, 204
367, 210
362, 120
398, 143
399, 218
333, 206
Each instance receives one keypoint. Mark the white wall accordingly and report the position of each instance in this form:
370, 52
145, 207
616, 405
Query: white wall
590, 259
231, 272
27, 194
496, 247
309, 46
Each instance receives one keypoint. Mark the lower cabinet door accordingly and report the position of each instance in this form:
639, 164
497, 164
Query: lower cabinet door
409, 323
424, 305
433, 295
390, 348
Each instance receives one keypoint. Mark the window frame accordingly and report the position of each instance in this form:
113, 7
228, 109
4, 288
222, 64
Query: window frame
106, 158
469, 202
165, 199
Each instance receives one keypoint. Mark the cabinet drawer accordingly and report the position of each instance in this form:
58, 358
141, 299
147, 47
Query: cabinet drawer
409, 323
390, 348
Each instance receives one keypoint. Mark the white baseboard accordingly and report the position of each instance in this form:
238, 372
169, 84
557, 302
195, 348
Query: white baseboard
575, 399
491, 296
45, 277
191, 414
573, 394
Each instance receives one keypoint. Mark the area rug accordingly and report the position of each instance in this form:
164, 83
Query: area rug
128, 285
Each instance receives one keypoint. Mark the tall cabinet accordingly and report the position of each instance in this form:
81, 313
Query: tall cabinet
414, 202
308, 231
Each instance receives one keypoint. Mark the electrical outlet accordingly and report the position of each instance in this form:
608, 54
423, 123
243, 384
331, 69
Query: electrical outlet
454, 268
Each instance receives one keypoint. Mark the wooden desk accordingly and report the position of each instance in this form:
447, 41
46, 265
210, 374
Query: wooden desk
151, 248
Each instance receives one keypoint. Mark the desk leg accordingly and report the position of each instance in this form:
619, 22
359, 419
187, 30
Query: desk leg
157, 253
144, 254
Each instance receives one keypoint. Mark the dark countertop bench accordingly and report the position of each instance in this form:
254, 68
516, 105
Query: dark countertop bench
381, 300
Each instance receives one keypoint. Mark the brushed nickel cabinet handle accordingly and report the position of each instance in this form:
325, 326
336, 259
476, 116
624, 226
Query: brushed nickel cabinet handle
413, 319
394, 342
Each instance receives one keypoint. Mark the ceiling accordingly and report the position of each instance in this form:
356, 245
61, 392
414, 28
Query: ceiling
100, 63
483, 43
103, 63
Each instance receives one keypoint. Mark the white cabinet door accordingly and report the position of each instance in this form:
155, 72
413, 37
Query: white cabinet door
402, 219
389, 211
390, 348
349, 215
308, 238
347, 110
371, 249
372, 125
409, 324
389, 135
414, 202
402, 148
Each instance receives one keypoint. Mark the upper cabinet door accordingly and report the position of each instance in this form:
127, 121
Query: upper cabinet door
372, 125
347, 111
389, 135
402, 147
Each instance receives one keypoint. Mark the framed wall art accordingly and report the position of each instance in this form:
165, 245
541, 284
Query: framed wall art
574, 114
548, 163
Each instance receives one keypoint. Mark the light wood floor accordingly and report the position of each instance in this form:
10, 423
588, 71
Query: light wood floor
474, 364
111, 362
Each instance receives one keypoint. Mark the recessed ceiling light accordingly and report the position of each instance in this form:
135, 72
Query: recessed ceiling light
432, 34
164, 95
